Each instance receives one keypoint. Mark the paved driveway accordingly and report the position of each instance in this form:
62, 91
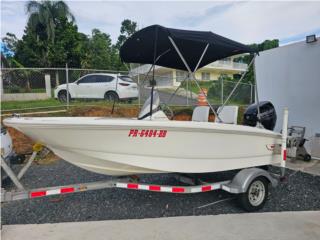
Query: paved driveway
262, 226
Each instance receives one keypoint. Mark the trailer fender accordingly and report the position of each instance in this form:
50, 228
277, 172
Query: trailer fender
242, 180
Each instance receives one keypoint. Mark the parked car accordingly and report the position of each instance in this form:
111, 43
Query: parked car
99, 86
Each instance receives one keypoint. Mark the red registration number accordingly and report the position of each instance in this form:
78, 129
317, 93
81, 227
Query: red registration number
147, 133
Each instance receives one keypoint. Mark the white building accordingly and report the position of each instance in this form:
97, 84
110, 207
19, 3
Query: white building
289, 76
167, 77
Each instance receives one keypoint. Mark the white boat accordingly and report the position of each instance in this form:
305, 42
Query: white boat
155, 144
125, 146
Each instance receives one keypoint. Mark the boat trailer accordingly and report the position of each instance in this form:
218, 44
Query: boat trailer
238, 185
250, 183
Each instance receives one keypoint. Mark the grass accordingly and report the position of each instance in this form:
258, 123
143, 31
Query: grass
29, 104
23, 90
194, 88
48, 103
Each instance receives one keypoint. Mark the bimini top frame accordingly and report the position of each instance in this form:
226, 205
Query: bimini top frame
180, 49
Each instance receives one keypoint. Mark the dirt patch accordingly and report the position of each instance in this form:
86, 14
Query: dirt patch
185, 114
104, 111
47, 159
188, 117
21, 143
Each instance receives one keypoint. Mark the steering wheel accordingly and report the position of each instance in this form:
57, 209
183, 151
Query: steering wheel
167, 110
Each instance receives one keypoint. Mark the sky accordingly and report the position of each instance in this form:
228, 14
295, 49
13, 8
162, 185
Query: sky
246, 22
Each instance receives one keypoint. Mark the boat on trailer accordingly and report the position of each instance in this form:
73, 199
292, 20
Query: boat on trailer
152, 143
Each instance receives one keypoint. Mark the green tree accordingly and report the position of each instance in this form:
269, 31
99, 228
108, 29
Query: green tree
265, 45
31, 52
99, 50
67, 48
43, 16
53, 45
44, 19
84, 49
55, 42
128, 28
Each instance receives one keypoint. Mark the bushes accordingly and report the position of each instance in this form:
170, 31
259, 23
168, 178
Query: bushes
194, 88
242, 94
17, 89
13, 89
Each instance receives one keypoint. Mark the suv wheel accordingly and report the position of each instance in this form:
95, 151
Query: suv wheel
111, 96
62, 96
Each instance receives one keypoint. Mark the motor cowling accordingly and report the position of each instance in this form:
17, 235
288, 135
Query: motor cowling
268, 115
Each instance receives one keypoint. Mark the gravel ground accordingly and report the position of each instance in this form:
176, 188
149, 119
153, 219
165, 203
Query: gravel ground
300, 193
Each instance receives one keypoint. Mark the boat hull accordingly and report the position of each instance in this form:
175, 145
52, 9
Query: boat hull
126, 146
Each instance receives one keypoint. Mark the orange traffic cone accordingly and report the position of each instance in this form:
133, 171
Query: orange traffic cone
202, 98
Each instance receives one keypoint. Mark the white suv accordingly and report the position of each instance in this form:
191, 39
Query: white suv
99, 86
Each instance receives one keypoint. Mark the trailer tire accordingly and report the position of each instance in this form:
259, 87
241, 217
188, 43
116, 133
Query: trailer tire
256, 195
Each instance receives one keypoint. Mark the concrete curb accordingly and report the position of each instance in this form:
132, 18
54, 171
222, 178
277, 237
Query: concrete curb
283, 225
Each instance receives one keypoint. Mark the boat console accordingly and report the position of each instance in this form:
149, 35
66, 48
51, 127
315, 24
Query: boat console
157, 113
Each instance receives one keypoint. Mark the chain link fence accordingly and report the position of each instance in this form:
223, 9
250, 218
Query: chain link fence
32, 80
219, 91
27, 84
186, 91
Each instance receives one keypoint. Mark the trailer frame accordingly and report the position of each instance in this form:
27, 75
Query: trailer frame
237, 185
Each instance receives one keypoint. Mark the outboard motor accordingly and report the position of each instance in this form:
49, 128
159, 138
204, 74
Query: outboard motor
268, 115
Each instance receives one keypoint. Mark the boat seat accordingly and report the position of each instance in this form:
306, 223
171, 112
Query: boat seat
201, 114
229, 114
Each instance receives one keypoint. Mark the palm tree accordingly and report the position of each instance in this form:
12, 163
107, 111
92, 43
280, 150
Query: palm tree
47, 14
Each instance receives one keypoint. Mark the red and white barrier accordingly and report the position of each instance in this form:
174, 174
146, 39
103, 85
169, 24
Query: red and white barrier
127, 185
58, 191
172, 189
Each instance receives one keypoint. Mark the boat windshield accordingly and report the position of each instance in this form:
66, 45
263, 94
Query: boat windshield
145, 110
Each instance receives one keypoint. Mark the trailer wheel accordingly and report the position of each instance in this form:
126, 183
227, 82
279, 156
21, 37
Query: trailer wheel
256, 195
